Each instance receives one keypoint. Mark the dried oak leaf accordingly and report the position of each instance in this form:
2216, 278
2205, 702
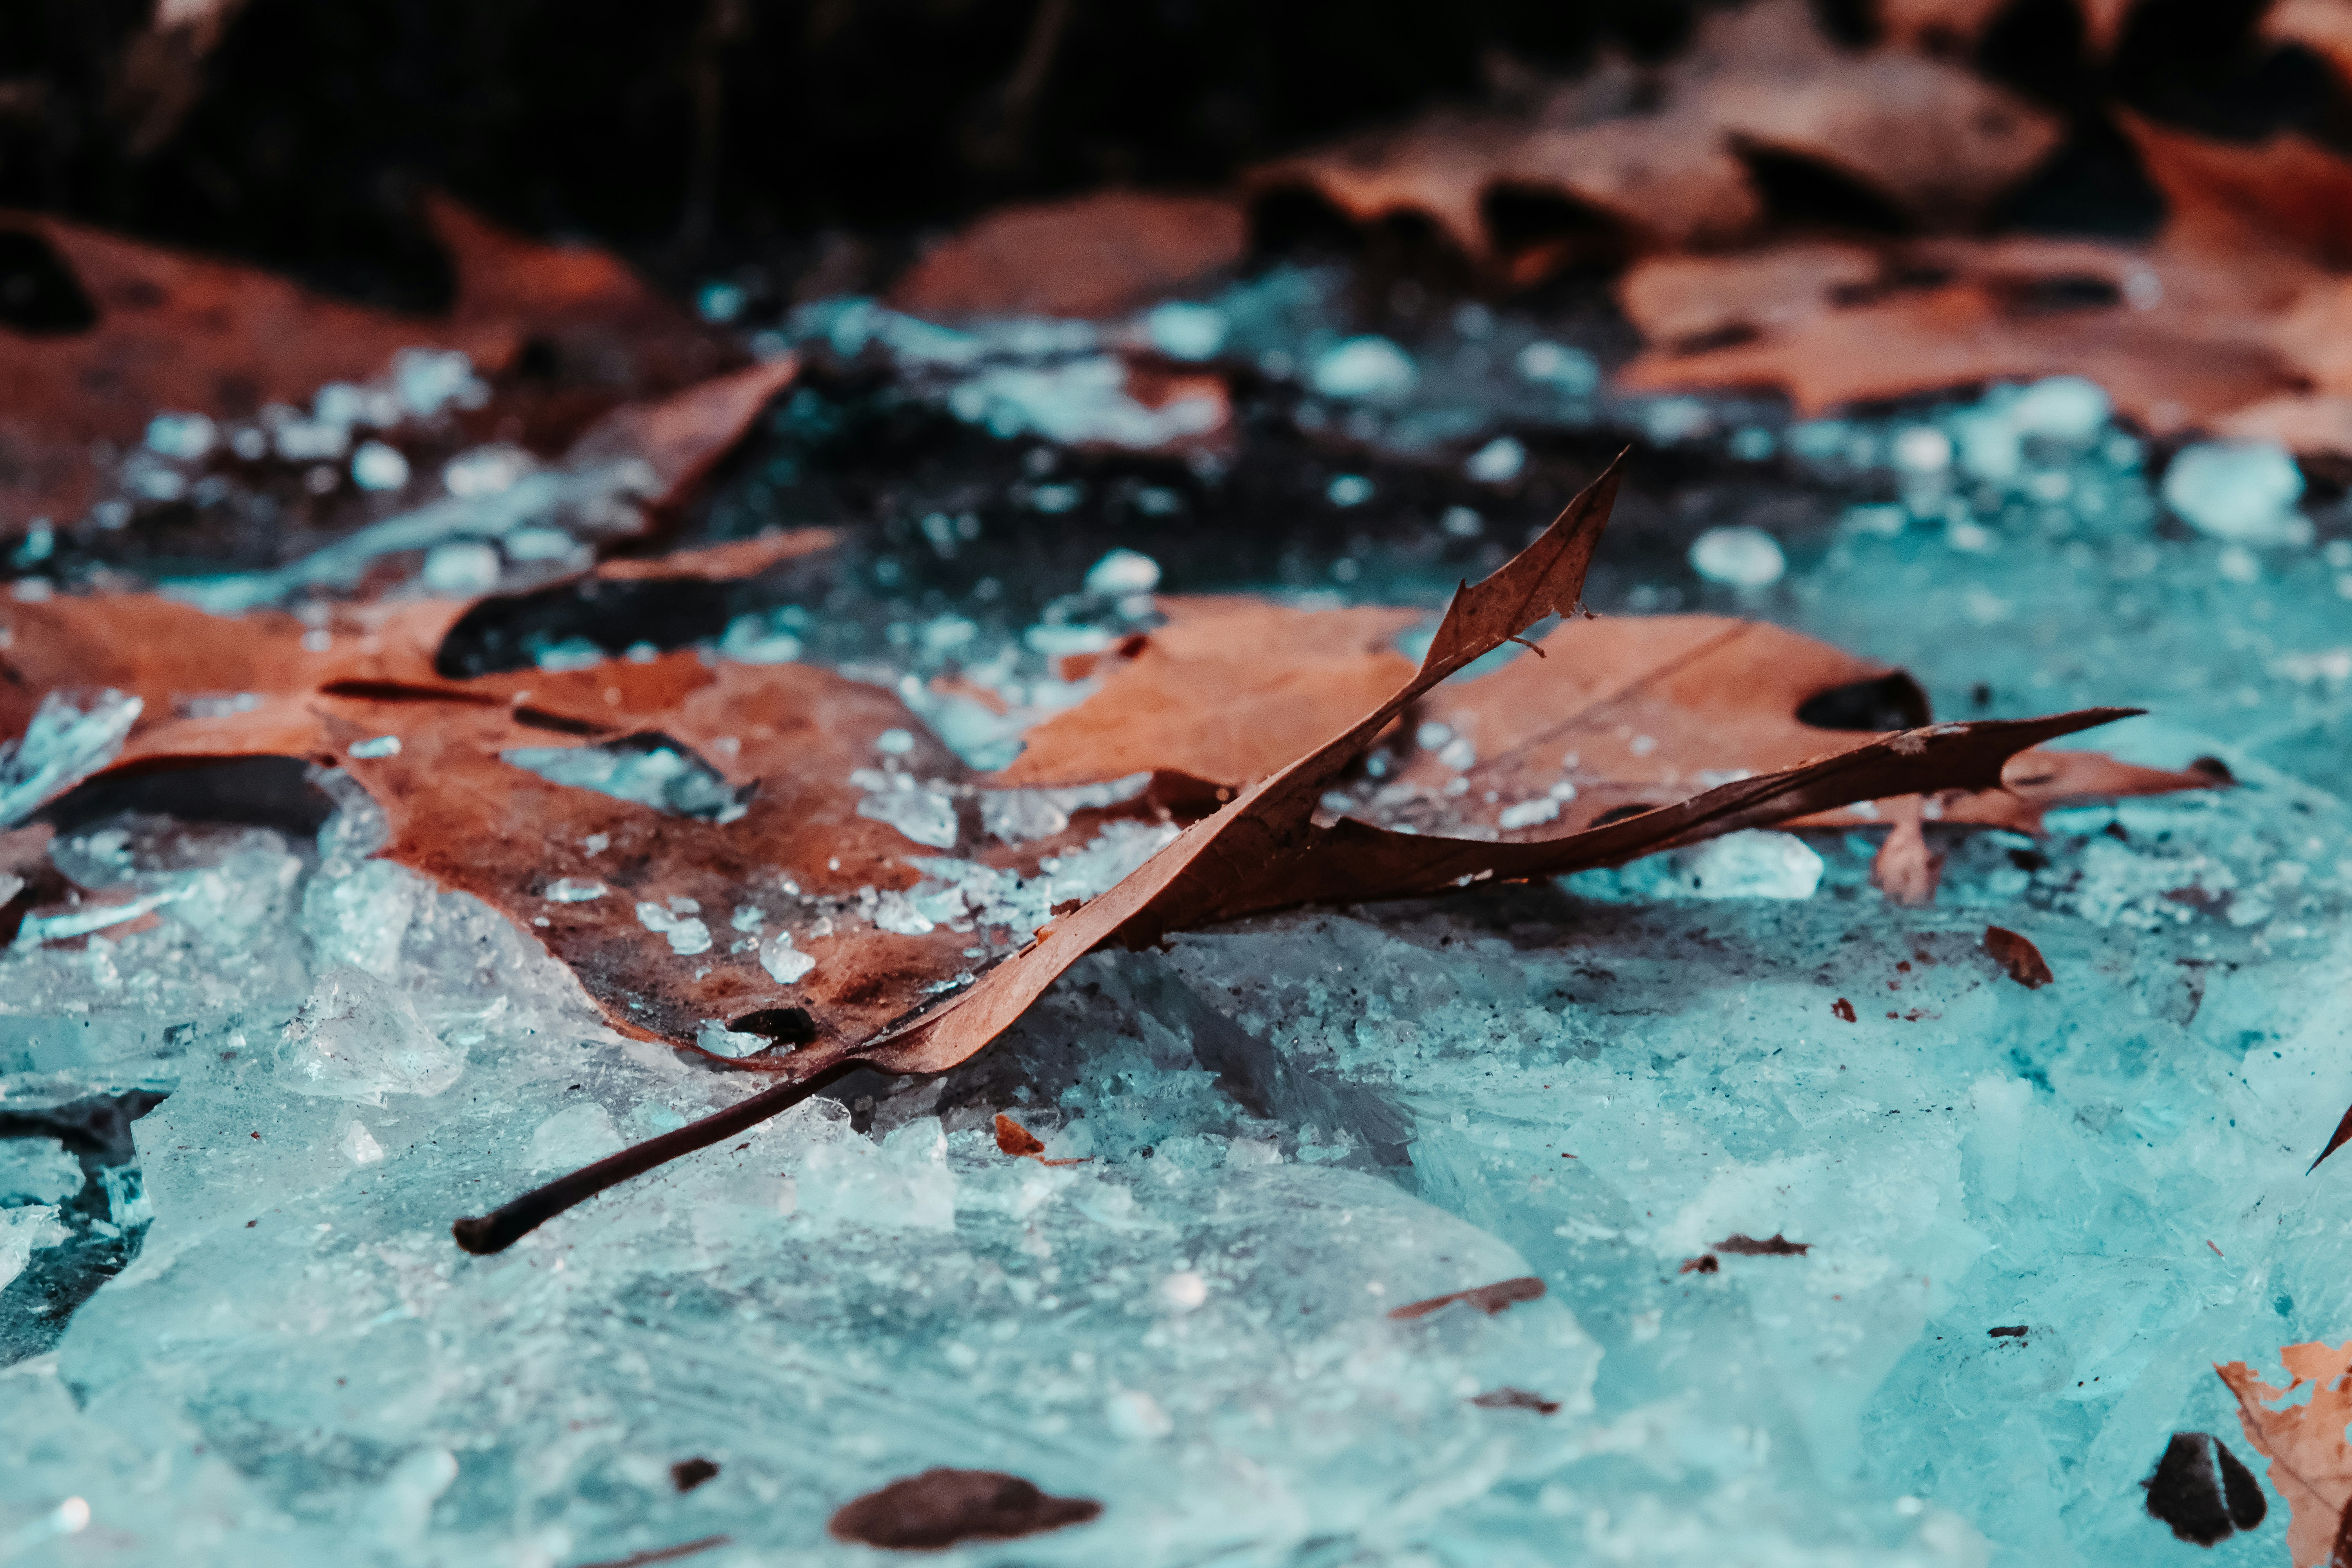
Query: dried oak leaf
939, 1508
2311, 1464
167, 330
1264, 850
1953, 27
1626, 713
1663, 156
1091, 257
764, 902
2233, 322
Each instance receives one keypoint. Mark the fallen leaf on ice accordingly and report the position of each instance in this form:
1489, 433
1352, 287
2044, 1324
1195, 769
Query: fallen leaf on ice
1664, 158
1091, 257
1488, 1298
2311, 1464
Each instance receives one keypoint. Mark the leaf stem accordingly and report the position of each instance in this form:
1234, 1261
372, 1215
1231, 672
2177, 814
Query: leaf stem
509, 1222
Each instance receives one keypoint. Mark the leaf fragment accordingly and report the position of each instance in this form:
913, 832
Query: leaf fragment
942, 1506
2018, 956
2311, 1463
1488, 1298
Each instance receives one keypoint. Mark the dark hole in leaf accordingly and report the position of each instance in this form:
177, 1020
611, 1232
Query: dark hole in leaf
506, 632
560, 723
2200, 1501
268, 792
39, 295
1883, 702
404, 691
941, 1507
1547, 226
785, 1025
2055, 295
1292, 217
1800, 191
688, 1474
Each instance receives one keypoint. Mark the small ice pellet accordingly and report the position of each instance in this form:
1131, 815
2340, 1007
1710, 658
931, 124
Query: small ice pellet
1923, 450
1740, 556
1367, 367
1497, 462
1432, 735
376, 466
1123, 572
572, 891
894, 742
1348, 489
381, 746
1461, 523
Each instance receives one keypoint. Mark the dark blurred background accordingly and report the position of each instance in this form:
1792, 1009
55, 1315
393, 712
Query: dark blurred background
824, 137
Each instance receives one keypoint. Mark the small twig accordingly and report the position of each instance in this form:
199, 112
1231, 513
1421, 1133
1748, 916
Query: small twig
1529, 647
663, 1554
509, 1222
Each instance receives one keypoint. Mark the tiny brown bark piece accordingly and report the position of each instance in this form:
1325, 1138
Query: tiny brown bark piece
1773, 1245
1516, 1399
942, 1506
1488, 1298
2020, 957
1015, 1140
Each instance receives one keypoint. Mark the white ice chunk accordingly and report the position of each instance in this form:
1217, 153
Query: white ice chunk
1367, 367
1740, 556
376, 466
734, 1043
1183, 330
486, 470
1082, 403
925, 816
68, 739
686, 933
2063, 407
577, 1135
462, 566
427, 381
1123, 572
83, 919
188, 437
358, 1037
2242, 492
1499, 461
1022, 816
1570, 371
1754, 864
785, 963
359, 1146
659, 776
572, 891
379, 746
23, 1232
36, 1171
1528, 813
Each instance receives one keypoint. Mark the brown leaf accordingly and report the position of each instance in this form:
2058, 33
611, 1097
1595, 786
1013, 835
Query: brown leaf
2020, 957
1094, 256
688, 1474
1264, 850
939, 1508
1660, 153
1773, 1245
2282, 190
1488, 1298
2322, 27
1705, 1263
2311, 1464
1953, 27
179, 331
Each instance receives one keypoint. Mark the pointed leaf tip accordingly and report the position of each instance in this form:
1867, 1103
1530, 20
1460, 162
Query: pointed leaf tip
1546, 578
